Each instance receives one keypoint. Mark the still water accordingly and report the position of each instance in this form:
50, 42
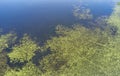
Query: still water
39, 17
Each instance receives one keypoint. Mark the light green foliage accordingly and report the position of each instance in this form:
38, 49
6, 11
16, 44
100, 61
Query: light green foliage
28, 70
112, 54
118, 3
114, 19
24, 51
77, 53
5, 40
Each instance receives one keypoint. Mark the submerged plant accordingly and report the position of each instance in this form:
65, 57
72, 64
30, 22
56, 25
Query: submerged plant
24, 51
118, 3
5, 42
82, 13
82, 52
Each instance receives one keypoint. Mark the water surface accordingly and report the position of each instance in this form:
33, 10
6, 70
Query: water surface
39, 17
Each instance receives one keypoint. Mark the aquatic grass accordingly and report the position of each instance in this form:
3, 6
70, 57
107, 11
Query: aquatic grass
118, 3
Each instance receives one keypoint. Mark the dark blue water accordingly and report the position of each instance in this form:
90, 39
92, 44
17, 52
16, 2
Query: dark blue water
39, 17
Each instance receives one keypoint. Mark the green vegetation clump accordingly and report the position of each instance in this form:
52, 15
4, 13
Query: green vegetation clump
114, 19
22, 54
118, 3
5, 41
24, 51
82, 52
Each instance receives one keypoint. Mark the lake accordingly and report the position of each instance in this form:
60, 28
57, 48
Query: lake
39, 17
